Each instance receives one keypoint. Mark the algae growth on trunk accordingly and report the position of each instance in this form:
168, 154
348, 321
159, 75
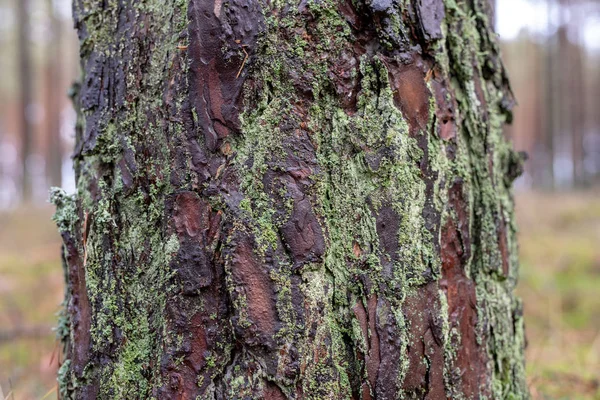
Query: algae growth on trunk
290, 200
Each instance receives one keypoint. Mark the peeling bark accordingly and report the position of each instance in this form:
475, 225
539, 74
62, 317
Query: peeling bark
291, 200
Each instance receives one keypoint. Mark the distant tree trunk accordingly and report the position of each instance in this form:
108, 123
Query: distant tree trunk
25, 92
291, 200
577, 113
576, 94
592, 104
54, 95
551, 97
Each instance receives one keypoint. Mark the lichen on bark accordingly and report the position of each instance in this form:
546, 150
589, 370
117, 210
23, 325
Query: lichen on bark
303, 200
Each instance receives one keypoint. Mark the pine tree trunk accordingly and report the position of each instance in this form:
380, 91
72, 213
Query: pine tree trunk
25, 76
291, 200
54, 64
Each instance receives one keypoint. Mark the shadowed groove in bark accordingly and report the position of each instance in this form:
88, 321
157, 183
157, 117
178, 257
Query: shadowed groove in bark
290, 200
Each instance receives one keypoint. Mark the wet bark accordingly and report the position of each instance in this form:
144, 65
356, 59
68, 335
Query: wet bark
291, 200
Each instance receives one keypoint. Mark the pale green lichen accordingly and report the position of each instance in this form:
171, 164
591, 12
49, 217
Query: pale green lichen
65, 216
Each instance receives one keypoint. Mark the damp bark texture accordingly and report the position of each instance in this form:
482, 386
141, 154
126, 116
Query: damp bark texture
290, 200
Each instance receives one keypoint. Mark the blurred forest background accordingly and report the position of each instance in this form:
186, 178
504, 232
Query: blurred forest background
552, 51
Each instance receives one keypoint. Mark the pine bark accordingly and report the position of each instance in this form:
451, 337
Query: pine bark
291, 200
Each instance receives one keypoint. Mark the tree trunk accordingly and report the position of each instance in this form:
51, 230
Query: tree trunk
54, 62
26, 95
576, 94
291, 200
551, 96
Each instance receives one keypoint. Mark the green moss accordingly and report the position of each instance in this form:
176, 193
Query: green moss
127, 372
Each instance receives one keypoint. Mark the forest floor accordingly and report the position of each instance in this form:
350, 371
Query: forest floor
560, 287
31, 291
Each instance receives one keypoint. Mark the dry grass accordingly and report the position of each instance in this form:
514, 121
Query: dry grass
560, 285
31, 290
